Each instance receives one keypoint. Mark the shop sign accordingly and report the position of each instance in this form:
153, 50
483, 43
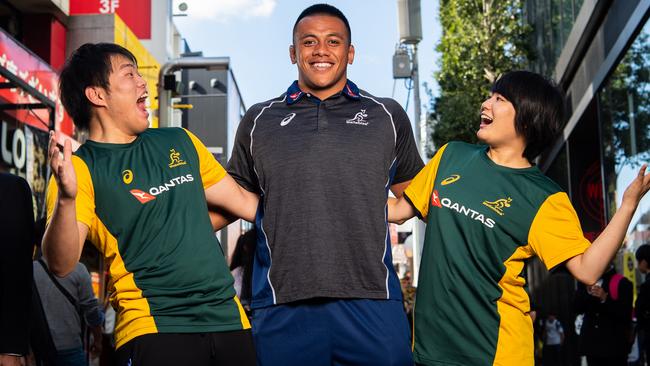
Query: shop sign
22, 63
23, 152
135, 13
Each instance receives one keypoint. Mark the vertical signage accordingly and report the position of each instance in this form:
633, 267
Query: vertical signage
135, 13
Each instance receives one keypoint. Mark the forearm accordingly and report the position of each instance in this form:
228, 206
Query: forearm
220, 220
589, 266
61, 244
399, 210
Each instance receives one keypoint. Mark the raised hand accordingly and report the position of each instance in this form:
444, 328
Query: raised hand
637, 189
62, 168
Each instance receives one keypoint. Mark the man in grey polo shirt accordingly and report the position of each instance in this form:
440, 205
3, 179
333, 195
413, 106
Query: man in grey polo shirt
323, 156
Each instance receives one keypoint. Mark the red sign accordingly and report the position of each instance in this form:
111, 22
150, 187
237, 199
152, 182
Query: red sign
135, 13
40, 76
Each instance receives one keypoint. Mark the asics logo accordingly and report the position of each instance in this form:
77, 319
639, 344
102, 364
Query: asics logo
287, 119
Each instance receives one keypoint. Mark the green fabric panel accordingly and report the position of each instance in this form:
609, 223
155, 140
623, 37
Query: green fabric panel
465, 247
166, 242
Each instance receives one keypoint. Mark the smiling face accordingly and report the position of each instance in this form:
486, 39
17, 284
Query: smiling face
497, 127
322, 52
127, 96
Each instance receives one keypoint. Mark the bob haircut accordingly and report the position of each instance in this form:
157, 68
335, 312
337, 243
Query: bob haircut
643, 253
539, 108
323, 9
90, 65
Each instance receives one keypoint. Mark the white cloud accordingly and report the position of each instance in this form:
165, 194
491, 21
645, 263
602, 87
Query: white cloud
226, 10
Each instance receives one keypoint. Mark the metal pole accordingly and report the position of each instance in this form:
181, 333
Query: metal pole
417, 113
164, 96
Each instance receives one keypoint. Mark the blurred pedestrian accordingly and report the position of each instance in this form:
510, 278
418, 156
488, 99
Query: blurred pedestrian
553, 336
70, 306
16, 249
606, 332
642, 305
241, 266
323, 156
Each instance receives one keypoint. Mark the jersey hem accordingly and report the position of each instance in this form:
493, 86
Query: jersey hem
178, 329
262, 303
566, 255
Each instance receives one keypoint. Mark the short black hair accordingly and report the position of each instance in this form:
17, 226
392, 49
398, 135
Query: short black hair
643, 253
89, 65
323, 9
539, 108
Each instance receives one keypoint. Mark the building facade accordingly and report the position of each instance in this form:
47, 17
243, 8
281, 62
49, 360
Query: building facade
598, 52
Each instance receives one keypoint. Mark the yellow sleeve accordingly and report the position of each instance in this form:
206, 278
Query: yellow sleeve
211, 171
555, 234
85, 201
419, 190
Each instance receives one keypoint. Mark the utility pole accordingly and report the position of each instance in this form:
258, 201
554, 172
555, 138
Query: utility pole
410, 29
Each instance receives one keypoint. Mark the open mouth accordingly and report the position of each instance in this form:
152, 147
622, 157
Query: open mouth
321, 66
142, 103
485, 120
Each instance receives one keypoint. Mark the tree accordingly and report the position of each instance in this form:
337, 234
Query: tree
481, 39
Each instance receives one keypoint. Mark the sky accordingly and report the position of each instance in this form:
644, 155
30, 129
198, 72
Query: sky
256, 35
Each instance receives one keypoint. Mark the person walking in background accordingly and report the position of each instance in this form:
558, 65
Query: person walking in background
241, 266
642, 305
606, 332
16, 249
70, 307
553, 336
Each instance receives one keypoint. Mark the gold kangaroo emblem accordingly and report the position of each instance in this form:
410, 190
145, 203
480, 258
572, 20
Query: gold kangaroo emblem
498, 205
175, 158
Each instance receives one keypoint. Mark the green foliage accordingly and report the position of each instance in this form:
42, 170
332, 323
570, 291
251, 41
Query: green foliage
481, 39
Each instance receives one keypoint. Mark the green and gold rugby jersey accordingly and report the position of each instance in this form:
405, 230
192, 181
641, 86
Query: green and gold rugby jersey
483, 222
144, 204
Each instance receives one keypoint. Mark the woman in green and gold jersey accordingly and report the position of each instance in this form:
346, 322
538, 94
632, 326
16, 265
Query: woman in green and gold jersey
488, 209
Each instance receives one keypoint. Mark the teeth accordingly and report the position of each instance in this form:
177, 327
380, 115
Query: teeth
322, 65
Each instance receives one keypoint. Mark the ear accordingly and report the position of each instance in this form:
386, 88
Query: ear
351, 54
292, 54
96, 96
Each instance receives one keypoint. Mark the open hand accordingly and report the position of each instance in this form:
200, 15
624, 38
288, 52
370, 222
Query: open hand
637, 189
62, 168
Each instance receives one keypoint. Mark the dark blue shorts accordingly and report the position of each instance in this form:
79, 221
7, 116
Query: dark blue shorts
333, 332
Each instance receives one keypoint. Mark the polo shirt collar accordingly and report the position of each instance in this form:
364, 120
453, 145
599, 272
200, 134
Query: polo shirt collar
294, 93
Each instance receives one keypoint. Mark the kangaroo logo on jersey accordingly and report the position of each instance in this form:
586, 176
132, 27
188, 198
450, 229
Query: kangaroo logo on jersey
359, 118
287, 119
175, 159
127, 176
435, 199
498, 205
451, 179
141, 196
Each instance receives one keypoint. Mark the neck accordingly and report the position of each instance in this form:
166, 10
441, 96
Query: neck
325, 93
104, 129
508, 157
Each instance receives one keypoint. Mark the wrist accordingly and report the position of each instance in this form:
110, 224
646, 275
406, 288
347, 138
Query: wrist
628, 207
65, 201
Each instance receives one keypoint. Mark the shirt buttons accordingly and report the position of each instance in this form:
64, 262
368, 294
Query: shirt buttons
309, 95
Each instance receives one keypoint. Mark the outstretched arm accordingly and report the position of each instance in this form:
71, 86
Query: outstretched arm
64, 236
589, 266
230, 197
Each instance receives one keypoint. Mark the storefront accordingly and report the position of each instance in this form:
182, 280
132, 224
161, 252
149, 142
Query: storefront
29, 109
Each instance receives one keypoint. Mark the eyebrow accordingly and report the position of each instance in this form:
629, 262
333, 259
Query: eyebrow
335, 34
123, 66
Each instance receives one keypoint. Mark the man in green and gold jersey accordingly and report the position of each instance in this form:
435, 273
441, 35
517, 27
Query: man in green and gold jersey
139, 195
488, 210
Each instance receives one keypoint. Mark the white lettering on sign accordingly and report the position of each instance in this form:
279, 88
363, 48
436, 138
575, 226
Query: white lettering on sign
18, 153
108, 6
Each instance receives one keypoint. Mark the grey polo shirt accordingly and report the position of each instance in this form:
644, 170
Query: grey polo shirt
323, 170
